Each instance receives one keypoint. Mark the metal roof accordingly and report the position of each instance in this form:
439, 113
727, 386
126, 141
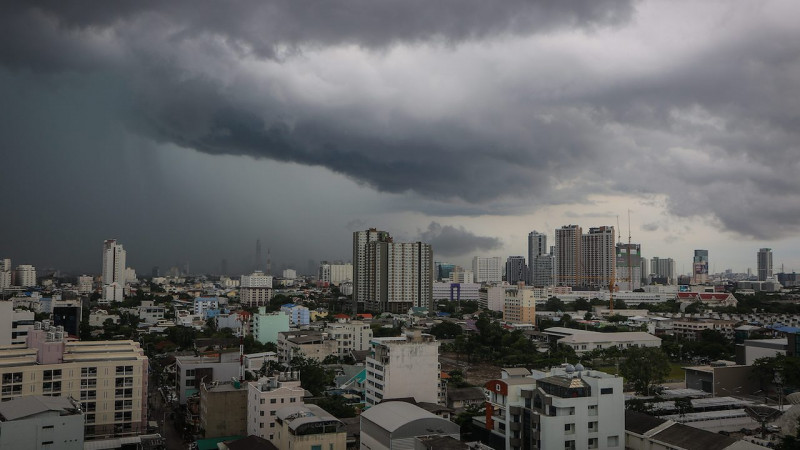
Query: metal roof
392, 415
31, 405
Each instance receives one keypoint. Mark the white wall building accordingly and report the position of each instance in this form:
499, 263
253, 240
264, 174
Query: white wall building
335, 273
488, 269
401, 367
265, 397
400, 276
255, 289
290, 274
113, 271
349, 336
85, 284
5, 273
26, 275
563, 408
39, 422
456, 291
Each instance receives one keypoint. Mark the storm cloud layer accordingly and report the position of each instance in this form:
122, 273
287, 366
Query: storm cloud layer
465, 108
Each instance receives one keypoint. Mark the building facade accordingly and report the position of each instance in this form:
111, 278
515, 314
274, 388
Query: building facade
629, 266
764, 262
265, 397
487, 269
399, 276
113, 271
700, 267
108, 378
402, 367
362, 275
599, 257
568, 256
516, 270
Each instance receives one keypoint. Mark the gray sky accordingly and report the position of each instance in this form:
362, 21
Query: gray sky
189, 129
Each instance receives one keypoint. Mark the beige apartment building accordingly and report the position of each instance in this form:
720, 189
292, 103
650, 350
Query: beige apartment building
108, 378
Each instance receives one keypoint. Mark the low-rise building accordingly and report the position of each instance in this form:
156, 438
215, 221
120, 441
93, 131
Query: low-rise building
403, 367
192, 371
266, 396
392, 425
311, 344
583, 341
223, 409
309, 426
299, 315
692, 329
350, 336
566, 407
266, 326
36, 422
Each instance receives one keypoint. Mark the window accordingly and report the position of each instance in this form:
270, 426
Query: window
292, 400
569, 445
606, 391
88, 395
260, 424
125, 370
261, 401
272, 413
613, 441
272, 425
592, 442
261, 413
47, 427
592, 410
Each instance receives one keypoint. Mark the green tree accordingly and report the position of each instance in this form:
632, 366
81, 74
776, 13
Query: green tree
683, 405
581, 304
313, 376
336, 405
645, 367
446, 330
554, 304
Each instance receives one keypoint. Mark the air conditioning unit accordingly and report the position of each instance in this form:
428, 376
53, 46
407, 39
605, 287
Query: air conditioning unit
51, 336
58, 336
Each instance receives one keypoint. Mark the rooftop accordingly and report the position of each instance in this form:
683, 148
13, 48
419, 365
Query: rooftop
31, 405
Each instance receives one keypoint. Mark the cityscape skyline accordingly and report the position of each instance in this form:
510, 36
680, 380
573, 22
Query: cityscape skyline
299, 132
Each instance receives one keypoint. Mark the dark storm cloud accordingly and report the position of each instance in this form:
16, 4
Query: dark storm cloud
267, 27
451, 241
714, 130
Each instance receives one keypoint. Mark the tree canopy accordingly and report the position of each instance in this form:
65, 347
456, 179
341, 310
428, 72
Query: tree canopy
645, 367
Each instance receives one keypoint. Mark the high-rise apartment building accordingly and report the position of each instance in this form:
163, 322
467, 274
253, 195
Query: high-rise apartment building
568, 256
25, 275
700, 267
113, 271
255, 289
764, 264
599, 257
516, 270
542, 271
5, 273
399, 276
519, 305
402, 367
537, 244
335, 273
663, 268
629, 266
361, 272
487, 269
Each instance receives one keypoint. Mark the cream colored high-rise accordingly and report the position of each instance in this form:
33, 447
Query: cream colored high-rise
113, 271
108, 378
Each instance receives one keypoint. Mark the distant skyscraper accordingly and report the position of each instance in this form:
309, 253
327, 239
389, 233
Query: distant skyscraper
258, 265
629, 266
113, 271
663, 268
764, 264
537, 246
568, 256
487, 270
599, 257
700, 267
542, 271
25, 275
5, 273
442, 270
516, 269
361, 270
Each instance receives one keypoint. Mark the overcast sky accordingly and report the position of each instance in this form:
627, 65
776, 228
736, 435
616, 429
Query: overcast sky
189, 129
